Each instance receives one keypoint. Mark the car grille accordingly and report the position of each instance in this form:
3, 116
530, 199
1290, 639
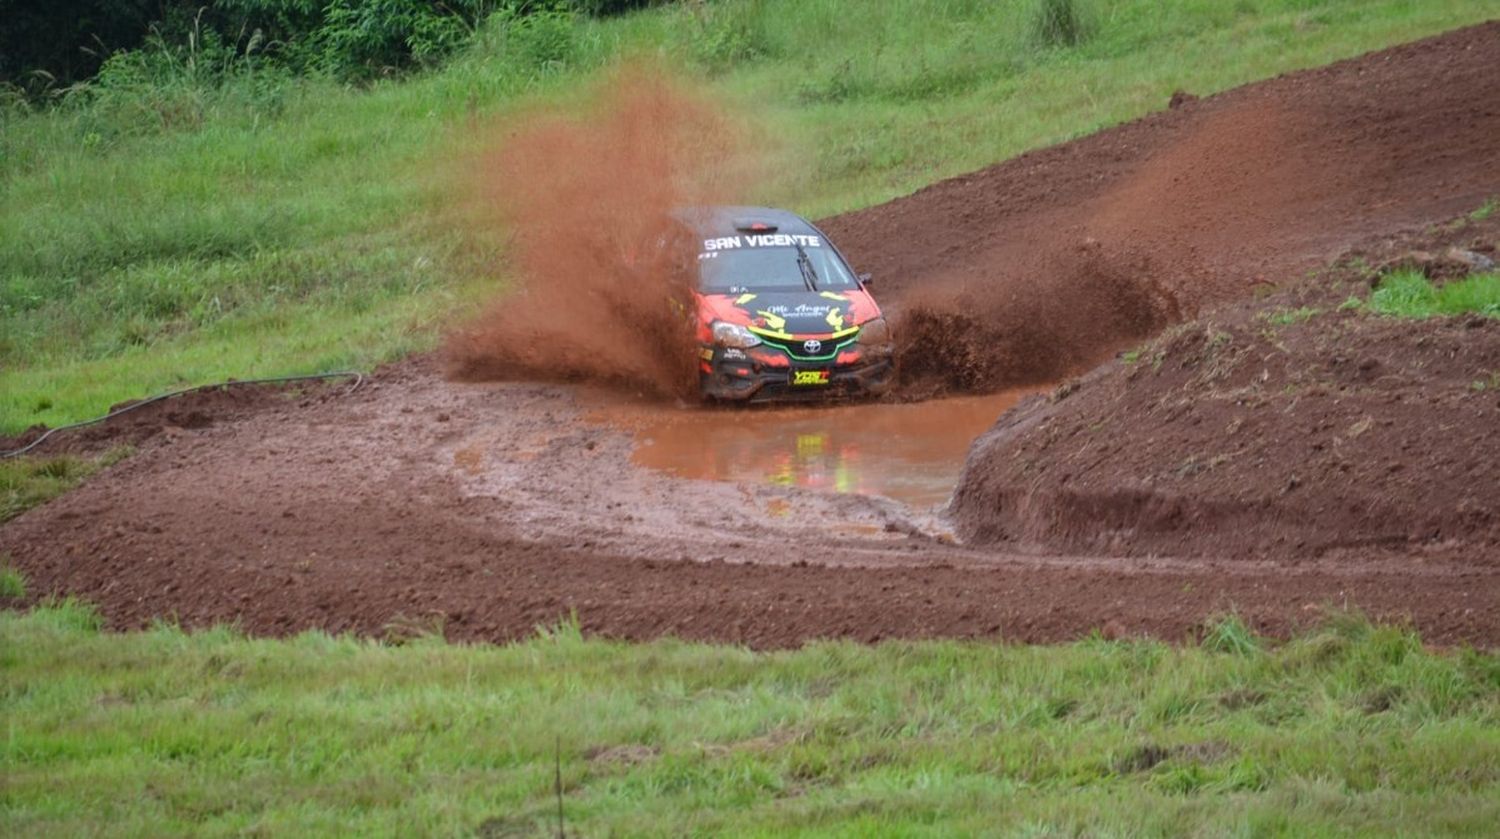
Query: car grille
794, 347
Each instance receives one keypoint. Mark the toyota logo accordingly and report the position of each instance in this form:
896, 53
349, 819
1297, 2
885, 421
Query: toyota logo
812, 346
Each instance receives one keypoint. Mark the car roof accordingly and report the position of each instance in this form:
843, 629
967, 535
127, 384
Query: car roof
729, 219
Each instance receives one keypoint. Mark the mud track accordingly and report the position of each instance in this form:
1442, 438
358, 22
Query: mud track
488, 510
484, 510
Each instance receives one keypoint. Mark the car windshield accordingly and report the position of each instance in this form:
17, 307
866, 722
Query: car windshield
740, 270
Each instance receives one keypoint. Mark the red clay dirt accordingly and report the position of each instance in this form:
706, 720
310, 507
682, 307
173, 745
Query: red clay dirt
486, 509
1044, 265
1295, 424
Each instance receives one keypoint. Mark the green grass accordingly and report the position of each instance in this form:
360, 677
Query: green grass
1409, 294
12, 581
26, 482
1351, 730
1287, 317
157, 232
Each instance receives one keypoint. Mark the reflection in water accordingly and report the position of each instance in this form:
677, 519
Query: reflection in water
910, 452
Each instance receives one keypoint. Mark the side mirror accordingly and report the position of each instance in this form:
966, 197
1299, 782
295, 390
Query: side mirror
866, 279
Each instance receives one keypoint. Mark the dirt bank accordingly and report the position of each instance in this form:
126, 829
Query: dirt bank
1290, 425
1046, 264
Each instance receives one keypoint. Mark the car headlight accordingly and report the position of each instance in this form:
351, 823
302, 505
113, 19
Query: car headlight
733, 335
876, 332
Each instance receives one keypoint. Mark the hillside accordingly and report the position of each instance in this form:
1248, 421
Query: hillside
162, 230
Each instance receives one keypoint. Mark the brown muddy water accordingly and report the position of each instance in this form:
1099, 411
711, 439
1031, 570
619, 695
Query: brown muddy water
911, 452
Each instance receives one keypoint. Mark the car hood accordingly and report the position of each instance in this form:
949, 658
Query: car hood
797, 313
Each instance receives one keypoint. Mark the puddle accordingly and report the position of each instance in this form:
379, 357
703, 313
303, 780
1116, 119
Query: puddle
910, 452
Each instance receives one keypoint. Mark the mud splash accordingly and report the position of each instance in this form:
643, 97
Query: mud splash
1076, 308
596, 258
911, 452
1044, 265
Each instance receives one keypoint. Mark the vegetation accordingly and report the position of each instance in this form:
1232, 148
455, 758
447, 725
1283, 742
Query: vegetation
12, 581
1484, 210
1058, 23
1287, 317
1410, 294
198, 211
45, 48
271, 199
28, 481
1350, 730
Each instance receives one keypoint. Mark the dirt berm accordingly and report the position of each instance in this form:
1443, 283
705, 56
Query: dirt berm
1046, 264
1295, 425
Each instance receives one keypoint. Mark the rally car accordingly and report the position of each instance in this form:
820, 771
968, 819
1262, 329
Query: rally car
780, 315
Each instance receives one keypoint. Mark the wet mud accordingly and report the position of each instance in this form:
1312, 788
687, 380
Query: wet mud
484, 509
912, 452
1288, 425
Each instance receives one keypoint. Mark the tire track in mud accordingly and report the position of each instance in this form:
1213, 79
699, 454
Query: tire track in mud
488, 510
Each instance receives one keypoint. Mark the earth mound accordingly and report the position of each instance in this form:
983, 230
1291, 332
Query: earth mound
1294, 425
1046, 264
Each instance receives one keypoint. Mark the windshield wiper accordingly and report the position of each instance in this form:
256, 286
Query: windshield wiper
804, 264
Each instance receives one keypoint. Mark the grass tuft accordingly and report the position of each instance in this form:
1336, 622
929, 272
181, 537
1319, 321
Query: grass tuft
67, 615
1287, 317
1410, 294
26, 482
1229, 634
12, 581
1058, 23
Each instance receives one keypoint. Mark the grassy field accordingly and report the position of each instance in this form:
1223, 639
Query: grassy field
1350, 730
163, 228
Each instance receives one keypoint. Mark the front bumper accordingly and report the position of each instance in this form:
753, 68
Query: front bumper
762, 374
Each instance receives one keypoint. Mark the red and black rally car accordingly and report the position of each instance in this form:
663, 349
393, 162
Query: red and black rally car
781, 315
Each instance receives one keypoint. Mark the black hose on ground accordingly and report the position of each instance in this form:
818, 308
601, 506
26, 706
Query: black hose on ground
358, 377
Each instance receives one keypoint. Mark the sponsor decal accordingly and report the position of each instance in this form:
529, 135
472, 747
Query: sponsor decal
706, 354
712, 247
762, 240
734, 354
801, 310
809, 377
